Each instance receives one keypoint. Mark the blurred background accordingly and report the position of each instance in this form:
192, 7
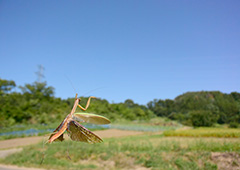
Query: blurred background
155, 67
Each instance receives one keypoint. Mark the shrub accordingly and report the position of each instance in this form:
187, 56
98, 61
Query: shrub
202, 118
233, 125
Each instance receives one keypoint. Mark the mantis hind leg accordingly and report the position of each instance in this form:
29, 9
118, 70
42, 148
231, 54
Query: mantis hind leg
88, 103
43, 152
68, 155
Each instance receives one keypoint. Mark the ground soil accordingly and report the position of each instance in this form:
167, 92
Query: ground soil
13, 167
227, 160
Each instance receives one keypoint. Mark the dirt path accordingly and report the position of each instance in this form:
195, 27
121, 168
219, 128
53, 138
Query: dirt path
19, 142
13, 167
5, 153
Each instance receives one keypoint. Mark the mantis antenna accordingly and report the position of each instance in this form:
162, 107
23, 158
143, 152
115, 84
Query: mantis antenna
71, 83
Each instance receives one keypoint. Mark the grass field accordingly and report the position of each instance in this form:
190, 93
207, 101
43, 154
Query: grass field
149, 151
152, 125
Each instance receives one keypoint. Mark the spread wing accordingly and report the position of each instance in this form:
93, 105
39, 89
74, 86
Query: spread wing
79, 133
60, 138
92, 118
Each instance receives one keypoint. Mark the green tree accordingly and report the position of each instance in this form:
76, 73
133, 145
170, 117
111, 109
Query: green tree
226, 107
38, 90
6, 86
203, 118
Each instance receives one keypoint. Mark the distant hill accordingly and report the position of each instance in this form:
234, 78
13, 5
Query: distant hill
214, 106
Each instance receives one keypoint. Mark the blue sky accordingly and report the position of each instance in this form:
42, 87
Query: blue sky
139, 50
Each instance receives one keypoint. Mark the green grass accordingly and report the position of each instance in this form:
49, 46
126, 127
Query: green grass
152, 125
174, 149
149, 151
144, 128
205, 132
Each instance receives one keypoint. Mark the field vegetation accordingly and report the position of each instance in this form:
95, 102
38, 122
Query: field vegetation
205, 132
149, 151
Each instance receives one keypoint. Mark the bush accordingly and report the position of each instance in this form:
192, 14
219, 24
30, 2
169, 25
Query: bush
233, 125
202, 118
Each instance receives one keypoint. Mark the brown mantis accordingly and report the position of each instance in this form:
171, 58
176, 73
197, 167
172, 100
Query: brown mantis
75, 130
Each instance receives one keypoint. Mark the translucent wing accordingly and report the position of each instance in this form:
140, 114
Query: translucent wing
92, 118
79, 133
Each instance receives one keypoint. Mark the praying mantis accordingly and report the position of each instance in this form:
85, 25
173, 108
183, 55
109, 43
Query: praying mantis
75, 130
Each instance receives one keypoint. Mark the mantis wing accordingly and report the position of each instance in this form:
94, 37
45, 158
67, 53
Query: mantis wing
60, 138
92, 118
79, 133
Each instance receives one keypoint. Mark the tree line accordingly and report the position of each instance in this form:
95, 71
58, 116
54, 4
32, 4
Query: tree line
35, 103
203, 108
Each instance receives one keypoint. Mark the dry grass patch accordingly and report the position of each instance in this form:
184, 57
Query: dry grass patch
228, 160
205, 132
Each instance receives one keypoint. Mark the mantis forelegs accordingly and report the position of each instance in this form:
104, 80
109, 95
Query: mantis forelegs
88, 103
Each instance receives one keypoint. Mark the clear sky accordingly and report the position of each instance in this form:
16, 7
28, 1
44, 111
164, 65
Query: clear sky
137, 49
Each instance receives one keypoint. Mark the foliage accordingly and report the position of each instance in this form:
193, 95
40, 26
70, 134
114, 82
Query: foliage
36, 104
6, 86
202, 118
200, 108
233, 125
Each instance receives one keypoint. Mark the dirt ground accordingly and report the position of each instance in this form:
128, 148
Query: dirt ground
228, 160
13, 167
19, 142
